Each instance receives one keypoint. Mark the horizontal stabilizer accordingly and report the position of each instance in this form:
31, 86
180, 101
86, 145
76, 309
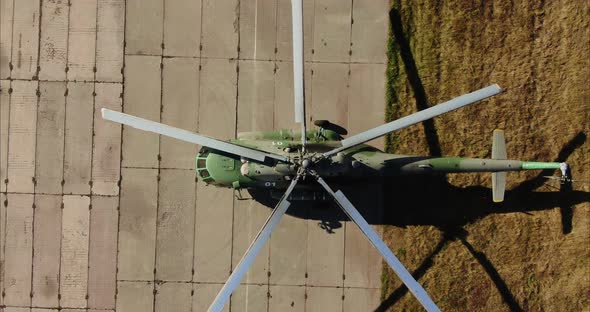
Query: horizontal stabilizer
498, 178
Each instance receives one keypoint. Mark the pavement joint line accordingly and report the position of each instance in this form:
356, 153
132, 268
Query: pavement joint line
246, 283
119, 185
230, 302
4, 232
154, 168
155, 290
38, 99
257, 60
56, 308
196, 176
64, 80
91, 178
59, 194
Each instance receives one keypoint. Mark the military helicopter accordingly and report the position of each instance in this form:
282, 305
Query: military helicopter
292, 161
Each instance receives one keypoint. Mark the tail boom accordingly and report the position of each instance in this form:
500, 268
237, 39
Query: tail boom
458, 165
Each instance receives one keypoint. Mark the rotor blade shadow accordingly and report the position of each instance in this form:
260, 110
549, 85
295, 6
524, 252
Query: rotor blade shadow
450, 234
395, 24
426, 264
487, 265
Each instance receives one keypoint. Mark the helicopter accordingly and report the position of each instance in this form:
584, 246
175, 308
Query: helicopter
300, 165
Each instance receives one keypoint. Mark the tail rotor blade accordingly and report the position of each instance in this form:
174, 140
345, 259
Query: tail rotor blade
378, 243
253, 250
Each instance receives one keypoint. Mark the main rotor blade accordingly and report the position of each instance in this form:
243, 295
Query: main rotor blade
252, 252
417, 117
187, 136
298, 88
390, 258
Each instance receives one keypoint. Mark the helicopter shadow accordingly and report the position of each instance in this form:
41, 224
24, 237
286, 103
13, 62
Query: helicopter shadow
449, 208
432, 200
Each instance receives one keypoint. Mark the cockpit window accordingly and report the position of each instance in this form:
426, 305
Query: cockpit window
201, 163
204, 173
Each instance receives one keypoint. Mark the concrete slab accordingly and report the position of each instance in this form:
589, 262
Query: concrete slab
46, 248
249, 217
213, 234
144, 27
15, 309
175, 225
73, 284
50, 137
135, 296
43, 310
106, 150
22, 137
102, 254
284, 107
53, 51
370, 31
367, 86
249, 298
82, 40
4, 121
110, 34
182, 28
258, 30
325, 249
332, 30
288, 251
78, 138
173, 297
362, 262
324, 299
6, 22
284, 116
220, 28
256, 96
214, 210
287, 298
217, 104
18, 250
204, 295
137, 224
285, 30
25, 39
141, 98
361, 299
180, 103
329, 99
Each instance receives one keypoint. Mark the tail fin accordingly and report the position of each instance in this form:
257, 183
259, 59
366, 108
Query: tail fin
498, 178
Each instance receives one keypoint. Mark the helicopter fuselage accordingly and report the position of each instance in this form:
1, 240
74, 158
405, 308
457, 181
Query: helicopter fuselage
358, 163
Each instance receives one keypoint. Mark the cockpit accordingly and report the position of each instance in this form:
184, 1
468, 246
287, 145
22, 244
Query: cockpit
202, 166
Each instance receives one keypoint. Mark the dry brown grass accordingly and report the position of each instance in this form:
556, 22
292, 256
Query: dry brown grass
538, 52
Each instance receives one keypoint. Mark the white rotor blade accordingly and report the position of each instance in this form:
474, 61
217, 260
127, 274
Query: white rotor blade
297, 20
417, 117
248, 258
187, 136
390, 258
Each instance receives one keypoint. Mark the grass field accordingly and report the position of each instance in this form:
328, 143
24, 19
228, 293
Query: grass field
530, 253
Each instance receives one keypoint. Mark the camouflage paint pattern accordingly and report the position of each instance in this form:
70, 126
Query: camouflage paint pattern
360, 162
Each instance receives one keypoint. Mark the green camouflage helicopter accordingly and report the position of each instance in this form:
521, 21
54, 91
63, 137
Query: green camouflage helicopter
292, 161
